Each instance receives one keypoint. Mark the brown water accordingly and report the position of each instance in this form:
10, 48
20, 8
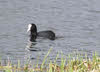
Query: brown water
75, 22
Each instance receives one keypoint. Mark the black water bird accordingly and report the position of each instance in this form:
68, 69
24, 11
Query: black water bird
34, 34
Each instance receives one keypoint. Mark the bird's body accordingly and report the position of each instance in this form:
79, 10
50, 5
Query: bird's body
46, 34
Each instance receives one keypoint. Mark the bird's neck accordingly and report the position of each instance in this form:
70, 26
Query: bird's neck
33, 36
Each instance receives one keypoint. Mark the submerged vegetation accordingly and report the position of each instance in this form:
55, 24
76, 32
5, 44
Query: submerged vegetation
77, 64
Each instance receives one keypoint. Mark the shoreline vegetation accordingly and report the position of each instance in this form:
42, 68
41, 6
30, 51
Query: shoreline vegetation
78, 64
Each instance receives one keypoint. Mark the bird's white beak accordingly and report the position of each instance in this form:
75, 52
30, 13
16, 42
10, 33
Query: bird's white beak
29, 27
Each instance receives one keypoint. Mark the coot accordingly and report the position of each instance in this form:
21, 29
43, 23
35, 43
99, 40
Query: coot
34, 34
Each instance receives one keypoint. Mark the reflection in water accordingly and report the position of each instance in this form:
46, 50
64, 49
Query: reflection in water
31, 44
30, 47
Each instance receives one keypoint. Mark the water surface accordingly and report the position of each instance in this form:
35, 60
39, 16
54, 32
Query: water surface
76, 24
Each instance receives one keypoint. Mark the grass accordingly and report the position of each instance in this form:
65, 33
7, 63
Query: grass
78, 64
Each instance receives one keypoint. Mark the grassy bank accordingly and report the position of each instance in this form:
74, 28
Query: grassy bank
71, 65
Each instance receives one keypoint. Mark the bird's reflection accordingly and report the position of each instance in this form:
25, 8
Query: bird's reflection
32, 46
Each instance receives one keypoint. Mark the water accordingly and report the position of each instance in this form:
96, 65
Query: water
76, 24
